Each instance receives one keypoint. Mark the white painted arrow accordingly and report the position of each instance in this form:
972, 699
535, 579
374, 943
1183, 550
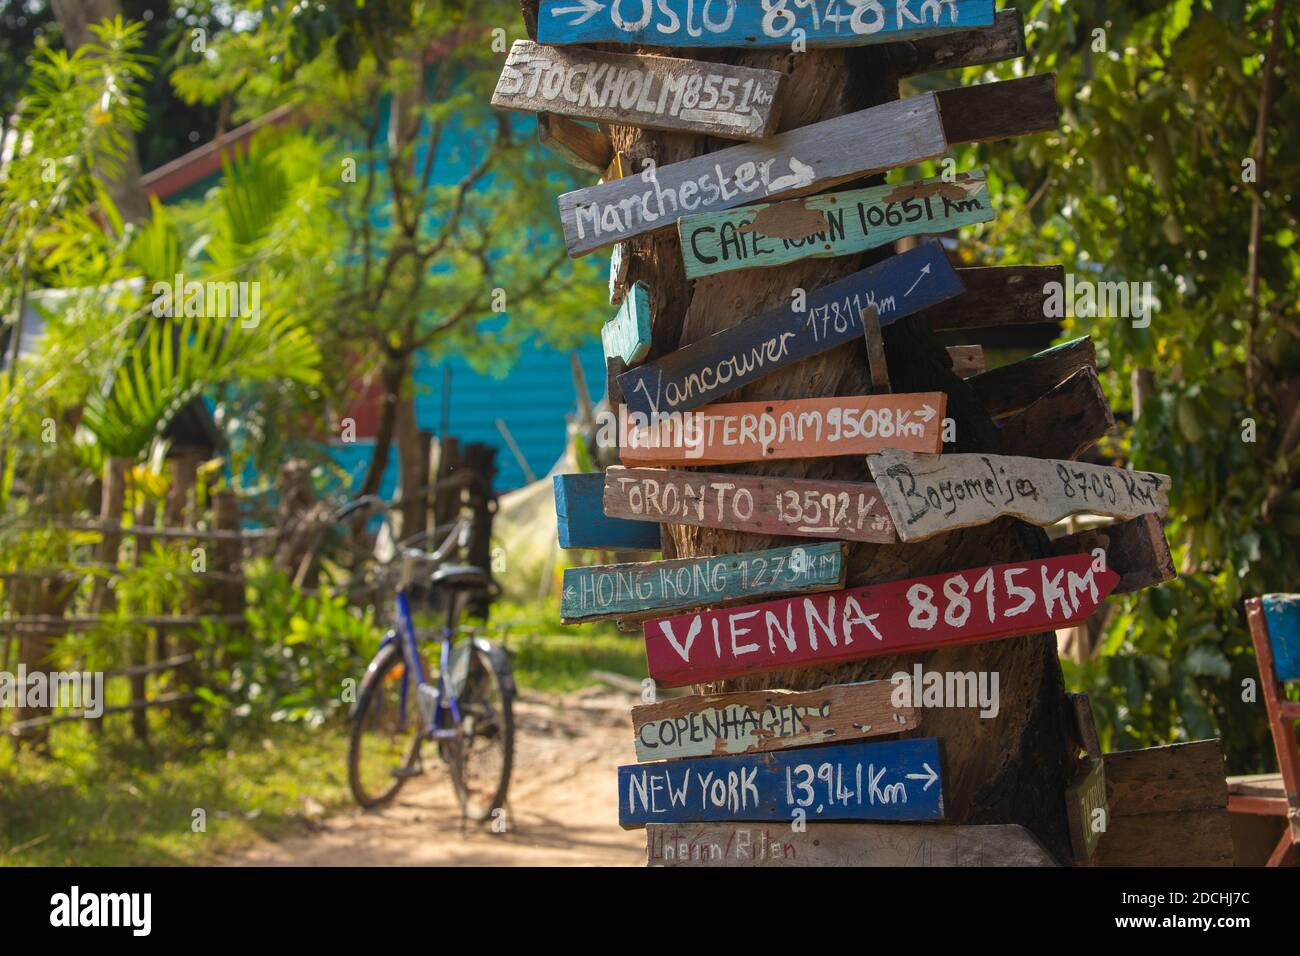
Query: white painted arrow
588, 9
926, 413
569, 592
925, 271
929, 776
801, 175
750, 123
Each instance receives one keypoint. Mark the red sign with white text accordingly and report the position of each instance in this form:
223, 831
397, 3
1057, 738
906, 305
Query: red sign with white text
916, 614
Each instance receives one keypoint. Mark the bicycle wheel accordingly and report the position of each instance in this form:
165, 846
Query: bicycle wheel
385, 747
480, 758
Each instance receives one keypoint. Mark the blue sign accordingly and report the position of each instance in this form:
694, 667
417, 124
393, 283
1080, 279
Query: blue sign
892, 780
706, 370
748, 23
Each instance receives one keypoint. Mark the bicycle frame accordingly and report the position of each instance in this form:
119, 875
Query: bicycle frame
404, 634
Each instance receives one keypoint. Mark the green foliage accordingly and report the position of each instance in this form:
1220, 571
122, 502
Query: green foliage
288, 664
1144, 183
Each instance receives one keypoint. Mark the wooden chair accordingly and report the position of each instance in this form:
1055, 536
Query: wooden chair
1275, 632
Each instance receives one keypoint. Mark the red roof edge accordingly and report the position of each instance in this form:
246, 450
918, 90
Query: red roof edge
184, 171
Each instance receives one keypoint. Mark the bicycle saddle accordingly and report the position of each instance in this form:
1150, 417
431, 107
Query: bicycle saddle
459, 577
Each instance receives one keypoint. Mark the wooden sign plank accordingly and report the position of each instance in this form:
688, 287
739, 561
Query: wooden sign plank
1282, 612
1064, 423
706, 370
1083, 800
716, 725
653, 92
813, 157
952, 51
745, 23
794, 428
917, 614
888, 780
620, 259
627, 335
632, 590
931, 494
802, 507
1009, 388
967, 360
577, 145
833, 224
1136, 550
992, 111
997, 296
842, 844
581, 523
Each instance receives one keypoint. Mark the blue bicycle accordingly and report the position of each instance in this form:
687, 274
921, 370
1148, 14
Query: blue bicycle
463, 705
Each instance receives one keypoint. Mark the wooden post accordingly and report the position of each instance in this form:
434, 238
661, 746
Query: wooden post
146, 515
481, 460
227, 592
1012, 768
176, 513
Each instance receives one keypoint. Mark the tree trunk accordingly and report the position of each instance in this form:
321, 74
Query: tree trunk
393, 376
75, 17
1011, 768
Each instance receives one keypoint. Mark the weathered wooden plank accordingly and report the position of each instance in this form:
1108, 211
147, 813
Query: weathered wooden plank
795, 428
917, 614
1064, 423
813, 157
1085, 809
996, 296
577, 145
1172, 779
842, 844
992, 111
1005, 41
1136, 550
1282, 612
620, 260
802, 507
654, 92
931, 494
887, 780
638, 590
967, 360
1009, 388
1184, 838
715, 725
745, 23
581, 523
627, 335
832, 224
709, 368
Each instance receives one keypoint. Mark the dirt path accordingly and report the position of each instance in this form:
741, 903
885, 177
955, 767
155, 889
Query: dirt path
562, 806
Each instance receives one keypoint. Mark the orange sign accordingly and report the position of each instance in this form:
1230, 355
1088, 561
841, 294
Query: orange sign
737, 432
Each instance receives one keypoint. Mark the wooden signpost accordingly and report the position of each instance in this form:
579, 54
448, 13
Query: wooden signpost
655, 92
627, 335
889, 780
760, 721
638, 590
842, 844
852, 511
1007, 389
795, 428
1004, 41
577, 145
703, 372
996, 296
917, 614
1063, 423
1136, 550
581, 523
748, 23
833, 224
931, 494
899, 133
